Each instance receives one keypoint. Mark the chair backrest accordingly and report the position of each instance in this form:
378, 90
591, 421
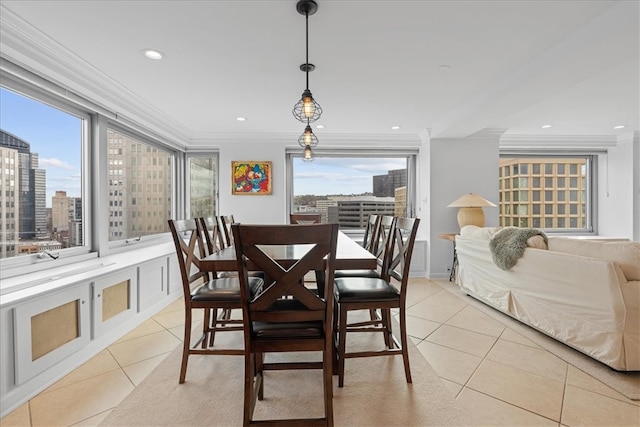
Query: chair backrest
263, 245
383, 243
211, 234
224, 225
306, 218
370, 240
189, 253
399, 262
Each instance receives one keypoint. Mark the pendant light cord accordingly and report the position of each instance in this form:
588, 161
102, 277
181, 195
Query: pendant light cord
306, 18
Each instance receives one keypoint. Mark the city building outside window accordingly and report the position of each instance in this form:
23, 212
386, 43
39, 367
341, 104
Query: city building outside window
553, 193
41, 169
203, 188
347, 188
140, 187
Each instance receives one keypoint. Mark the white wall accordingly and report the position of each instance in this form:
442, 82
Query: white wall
618, 189
458, 166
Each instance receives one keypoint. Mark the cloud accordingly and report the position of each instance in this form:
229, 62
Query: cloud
56, 163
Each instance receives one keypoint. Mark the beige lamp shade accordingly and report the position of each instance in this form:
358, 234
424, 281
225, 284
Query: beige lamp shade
470, 209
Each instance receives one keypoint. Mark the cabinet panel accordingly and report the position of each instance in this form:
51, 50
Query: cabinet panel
115, 299
152, 283
50, 328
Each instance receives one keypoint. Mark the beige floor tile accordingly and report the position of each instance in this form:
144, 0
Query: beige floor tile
19, 417
176, 318
535, 393
147, 327
454, 388
449, 364
439, 307
137, 372
80, 401
99, 364
474, 320
462, 340
93, 421
487, 411
510, 335
420, 328
577, 378
534, 360
144, 347
419, 289
584, 408
176, 305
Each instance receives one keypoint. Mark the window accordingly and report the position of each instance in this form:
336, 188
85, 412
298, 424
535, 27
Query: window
202, 186
140, 180
41, 179
346, 188
567, 191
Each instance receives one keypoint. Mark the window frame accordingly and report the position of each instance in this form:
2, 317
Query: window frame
39, 93
190, 154
407, 153
591, 202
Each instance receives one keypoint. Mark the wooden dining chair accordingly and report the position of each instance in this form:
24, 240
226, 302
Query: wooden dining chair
378, 293
214, 239
201, 292
286, 316
305, 218
370, 239
378, 242
224, 224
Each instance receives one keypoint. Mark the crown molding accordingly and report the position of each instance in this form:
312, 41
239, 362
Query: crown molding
583, 142
26, 46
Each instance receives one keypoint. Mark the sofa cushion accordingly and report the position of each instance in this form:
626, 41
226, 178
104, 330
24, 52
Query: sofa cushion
627, 254
478, 233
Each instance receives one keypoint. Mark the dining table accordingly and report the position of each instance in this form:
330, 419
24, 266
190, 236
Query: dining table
349, 256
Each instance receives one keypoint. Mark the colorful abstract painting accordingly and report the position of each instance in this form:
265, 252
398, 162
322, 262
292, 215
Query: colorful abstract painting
251, 177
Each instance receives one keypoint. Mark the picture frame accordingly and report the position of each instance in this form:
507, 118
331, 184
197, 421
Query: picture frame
251, 177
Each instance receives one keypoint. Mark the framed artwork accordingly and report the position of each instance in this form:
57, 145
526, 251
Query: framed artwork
250, 177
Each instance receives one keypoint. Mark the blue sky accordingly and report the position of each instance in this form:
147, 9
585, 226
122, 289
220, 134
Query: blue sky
55, 135
57, 138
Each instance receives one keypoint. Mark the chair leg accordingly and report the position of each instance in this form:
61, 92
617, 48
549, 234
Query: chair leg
342, 344
334, 339
249, 378
186, 344
328, 384
260, 373
385, 323
209, 325
405, 347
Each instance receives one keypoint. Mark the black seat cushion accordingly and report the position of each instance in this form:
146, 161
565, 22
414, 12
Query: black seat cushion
291, 330
224, 289
357, 273
360, 289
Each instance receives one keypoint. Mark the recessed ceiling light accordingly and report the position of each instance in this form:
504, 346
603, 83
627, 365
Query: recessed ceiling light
545, 126
153, 54
319, 126
241, 119
444, 67
619, 127
395, 127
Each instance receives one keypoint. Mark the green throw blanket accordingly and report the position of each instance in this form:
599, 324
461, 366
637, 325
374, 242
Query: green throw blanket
508, 245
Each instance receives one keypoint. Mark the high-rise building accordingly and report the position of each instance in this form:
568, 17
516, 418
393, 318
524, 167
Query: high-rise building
9, 210
29, 186
385, 185
354, 213
60, 211
543, 192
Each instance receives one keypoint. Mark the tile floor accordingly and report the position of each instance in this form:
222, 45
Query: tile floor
497, 375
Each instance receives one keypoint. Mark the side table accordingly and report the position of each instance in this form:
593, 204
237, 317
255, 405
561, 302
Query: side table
454, 265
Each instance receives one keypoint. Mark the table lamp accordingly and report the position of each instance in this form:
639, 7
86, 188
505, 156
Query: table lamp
470, 212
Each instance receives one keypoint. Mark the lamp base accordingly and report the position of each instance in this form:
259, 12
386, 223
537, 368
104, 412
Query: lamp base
471, 216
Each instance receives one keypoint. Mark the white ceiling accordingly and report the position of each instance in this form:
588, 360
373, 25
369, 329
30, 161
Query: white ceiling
513, 65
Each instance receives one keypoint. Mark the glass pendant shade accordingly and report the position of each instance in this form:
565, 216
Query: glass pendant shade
307, 138
307, 109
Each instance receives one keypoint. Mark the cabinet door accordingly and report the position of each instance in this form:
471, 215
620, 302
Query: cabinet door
115, 299
152, 283
49, 329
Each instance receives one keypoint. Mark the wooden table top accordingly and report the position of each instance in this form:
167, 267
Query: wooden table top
349, 256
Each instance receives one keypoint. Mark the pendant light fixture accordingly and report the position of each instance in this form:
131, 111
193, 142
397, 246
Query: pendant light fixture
308, 154
308, 138
307, 109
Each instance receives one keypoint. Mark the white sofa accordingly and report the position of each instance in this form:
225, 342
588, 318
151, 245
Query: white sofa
583, 292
